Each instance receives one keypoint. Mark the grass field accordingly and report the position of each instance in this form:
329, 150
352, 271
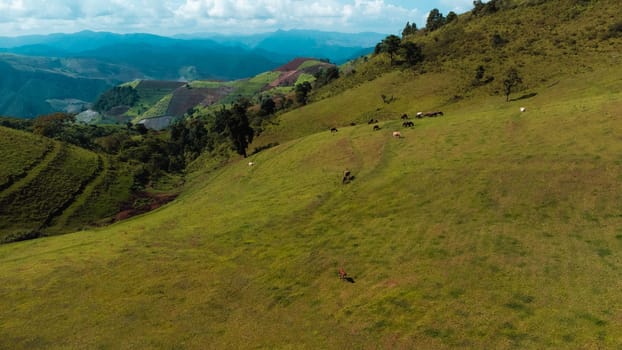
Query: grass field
486, 228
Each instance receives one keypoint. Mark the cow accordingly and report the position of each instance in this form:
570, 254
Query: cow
372, 121
376, 128
408, 124
333, 130
404, 116
419, 115
433, 114
397, 134
523, 109
344, 276
347, 177
251, 163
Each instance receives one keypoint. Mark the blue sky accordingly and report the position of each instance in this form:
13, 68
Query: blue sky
169, 17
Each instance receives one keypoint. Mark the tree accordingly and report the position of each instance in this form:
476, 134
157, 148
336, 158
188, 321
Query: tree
480, 8
302, 92
117, 96
52, 125
325, 76
412, 53
141, 128
378, 48
435, 20
267, 107
451, 16
238, 128
390, 45
409, 29
511, 81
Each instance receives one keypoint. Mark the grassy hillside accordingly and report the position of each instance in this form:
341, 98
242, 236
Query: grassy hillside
486, 228
17, 161
47, 183
99, 201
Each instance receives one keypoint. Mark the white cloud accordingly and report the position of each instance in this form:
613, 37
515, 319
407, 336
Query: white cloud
458, 6
186, 16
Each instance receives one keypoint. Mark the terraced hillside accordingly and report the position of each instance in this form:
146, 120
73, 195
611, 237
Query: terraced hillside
45, 181
171, 98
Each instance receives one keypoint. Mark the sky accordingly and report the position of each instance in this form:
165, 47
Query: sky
170, 17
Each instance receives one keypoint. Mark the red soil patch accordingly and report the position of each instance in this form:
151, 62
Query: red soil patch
285, 79
141, 203
292, 65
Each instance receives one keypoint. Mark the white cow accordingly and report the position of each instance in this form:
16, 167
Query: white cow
397, 134
522, 109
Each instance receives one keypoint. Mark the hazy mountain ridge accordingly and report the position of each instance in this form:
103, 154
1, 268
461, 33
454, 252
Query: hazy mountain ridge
110, 59
338, 47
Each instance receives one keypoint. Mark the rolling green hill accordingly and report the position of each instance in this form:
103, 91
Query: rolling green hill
486, 228
48, 186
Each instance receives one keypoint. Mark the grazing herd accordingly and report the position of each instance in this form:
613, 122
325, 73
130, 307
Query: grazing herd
407, 123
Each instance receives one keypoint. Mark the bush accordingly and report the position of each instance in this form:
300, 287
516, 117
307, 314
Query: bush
265, 147
497, 41
21, 236
117, 96
615, 31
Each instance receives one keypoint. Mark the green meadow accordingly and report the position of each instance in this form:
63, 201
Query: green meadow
485, 228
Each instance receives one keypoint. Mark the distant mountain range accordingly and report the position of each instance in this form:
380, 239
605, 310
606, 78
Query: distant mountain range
38, 69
